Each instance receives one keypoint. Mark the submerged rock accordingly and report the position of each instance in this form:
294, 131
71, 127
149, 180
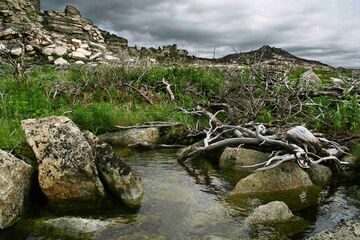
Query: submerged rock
131, 136
284, 177
122, 181
15, 181
78, 225
67, 169
271, 212
235, 158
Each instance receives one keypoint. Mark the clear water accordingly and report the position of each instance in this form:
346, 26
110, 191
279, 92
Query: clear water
190, 202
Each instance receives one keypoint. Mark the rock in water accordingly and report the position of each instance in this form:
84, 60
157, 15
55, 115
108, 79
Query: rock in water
67, 169
122, 181
15, 181
285, 177
77, 225
272, 212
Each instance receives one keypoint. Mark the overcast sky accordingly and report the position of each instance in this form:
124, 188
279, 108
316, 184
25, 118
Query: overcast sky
324, 30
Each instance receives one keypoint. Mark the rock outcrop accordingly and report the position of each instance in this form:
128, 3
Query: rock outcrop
288, 176
272, 212
119, 178
67, 169
15, 181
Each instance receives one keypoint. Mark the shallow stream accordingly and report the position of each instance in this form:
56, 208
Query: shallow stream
190, 202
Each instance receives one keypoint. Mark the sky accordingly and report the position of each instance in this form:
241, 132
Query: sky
323, 30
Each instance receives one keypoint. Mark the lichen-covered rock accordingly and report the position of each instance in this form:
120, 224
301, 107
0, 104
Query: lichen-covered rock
235, 158
131, 136
67, 169
15, 181
319, 174
284, 177
272, 212
118, 177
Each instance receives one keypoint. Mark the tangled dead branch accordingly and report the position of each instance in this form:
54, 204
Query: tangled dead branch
297, 144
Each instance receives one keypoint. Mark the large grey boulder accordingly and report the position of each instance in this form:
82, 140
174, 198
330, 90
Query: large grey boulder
287, 176
15, 181
131, 136
236, 158
272, 212
67, 169
118, 177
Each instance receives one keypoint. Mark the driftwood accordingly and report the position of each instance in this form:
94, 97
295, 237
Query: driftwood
298, 144
168, 89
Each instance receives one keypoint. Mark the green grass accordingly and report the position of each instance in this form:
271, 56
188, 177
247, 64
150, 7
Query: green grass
97, 100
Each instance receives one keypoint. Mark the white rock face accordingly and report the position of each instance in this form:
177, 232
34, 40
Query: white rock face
15, 177
67, 169
60, 62
97, 45
79, 63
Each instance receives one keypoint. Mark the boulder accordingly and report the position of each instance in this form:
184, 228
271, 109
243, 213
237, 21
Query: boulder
78, 56
287, 176
8, 34
67, 169
319, 174
16, 51
118, 177
272, 212
29, 48
60, 51
310, 77
235, 158
95, 55
76, 42
15, 181
111, 58
353, 161
83, 51
48, 51
79, 63
131, 136
61, 62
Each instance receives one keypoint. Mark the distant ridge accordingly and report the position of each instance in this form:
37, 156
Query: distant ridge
270, 55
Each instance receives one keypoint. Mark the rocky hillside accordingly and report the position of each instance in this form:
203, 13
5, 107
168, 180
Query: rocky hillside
61, 36
271, 56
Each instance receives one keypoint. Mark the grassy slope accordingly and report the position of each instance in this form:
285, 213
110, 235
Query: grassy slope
97, 100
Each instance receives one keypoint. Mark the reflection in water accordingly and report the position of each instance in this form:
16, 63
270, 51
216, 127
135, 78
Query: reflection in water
189, 201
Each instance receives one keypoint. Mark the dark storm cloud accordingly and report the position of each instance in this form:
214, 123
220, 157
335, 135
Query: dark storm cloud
325, 30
